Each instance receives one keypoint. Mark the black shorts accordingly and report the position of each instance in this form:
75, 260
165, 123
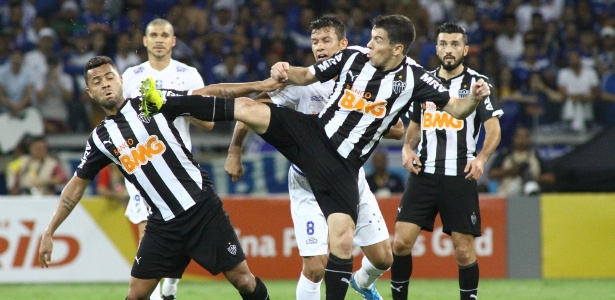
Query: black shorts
302, 139
203, 233
454, 197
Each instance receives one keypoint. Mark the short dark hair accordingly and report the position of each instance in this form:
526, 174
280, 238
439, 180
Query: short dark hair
332, 21
96, 62
399, 28
453, 28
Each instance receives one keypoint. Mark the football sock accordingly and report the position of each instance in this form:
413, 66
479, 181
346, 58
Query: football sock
206, 108
468, 281
401, 270
367, 274
307, 290
337, 277
259, 293
169, 286
156, 293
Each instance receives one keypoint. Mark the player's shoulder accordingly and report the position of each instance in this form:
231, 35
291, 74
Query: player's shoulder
134, 70
355, 48
476, 75
181, 67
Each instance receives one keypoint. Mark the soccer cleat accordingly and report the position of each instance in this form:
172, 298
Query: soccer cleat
152, 99
370, 293
169, 297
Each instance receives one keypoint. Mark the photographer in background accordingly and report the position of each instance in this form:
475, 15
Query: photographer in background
520, 171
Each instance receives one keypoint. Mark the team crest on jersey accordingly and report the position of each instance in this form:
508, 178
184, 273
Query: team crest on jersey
399, 86
232, 249
463, 93
181, 69
144, 119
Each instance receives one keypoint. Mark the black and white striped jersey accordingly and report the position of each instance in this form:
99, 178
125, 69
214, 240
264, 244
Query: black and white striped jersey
151, 155
367, 101
448, 144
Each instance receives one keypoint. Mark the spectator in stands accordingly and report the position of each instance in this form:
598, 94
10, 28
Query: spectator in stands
110, 184
608, 97
230, 70
357, 31
195, 16
125, 55
67, 21
54, 92
580, 87
381, 181
588, 48
531, 62
35, 60
95, 17
509, 43
80, 109
519, 170
16, 86
40, 173
12, 168
606, 56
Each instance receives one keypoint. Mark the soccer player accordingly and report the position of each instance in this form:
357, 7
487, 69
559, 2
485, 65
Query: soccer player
187, 220
159, 39
374, 86
446, 157
328, 36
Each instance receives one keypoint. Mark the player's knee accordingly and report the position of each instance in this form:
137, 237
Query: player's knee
402, 246
244, 284
464, 253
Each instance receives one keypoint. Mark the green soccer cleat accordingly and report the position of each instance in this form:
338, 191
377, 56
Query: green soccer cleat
152, 99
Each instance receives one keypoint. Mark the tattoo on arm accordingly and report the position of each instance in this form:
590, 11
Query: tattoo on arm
224, 93
68, 203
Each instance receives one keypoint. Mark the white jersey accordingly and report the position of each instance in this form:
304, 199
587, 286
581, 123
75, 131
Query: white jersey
176, 76
296, 97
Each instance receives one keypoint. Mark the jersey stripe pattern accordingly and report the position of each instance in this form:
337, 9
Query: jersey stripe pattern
448, 144
151, 155
367, 101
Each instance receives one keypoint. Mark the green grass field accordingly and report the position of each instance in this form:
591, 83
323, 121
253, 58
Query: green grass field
420, 289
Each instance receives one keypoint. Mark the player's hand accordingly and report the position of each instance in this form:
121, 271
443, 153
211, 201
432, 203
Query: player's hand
279, 71
481, 90
474, 169
44, 250
270, 84
233, 166
410, 160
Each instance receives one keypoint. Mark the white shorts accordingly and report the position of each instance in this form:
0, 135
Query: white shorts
311, 230
137, 209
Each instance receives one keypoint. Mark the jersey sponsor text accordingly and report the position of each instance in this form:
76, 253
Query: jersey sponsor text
142, 153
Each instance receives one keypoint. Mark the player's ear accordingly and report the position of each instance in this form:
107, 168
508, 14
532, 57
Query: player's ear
174, 41
344, 43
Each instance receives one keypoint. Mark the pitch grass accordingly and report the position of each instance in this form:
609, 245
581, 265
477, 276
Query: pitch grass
279, 289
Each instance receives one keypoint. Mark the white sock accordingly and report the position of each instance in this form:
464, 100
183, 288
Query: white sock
368, 274
169, 286
156, 293
307, 290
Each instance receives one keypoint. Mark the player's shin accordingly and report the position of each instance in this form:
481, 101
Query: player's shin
468, 281
401, 270
307, 290
367, 274
259, 293
337, 277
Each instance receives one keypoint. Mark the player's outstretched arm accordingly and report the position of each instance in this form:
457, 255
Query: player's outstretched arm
234, 90
70, 197
283, 72
462, 108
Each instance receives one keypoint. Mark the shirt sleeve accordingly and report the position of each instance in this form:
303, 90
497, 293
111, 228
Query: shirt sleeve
428, 88
287, 96
328, 69
490, 107
92, 162
196, 80
415, 112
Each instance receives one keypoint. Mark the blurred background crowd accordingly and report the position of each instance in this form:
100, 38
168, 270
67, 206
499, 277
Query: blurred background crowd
551, 62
